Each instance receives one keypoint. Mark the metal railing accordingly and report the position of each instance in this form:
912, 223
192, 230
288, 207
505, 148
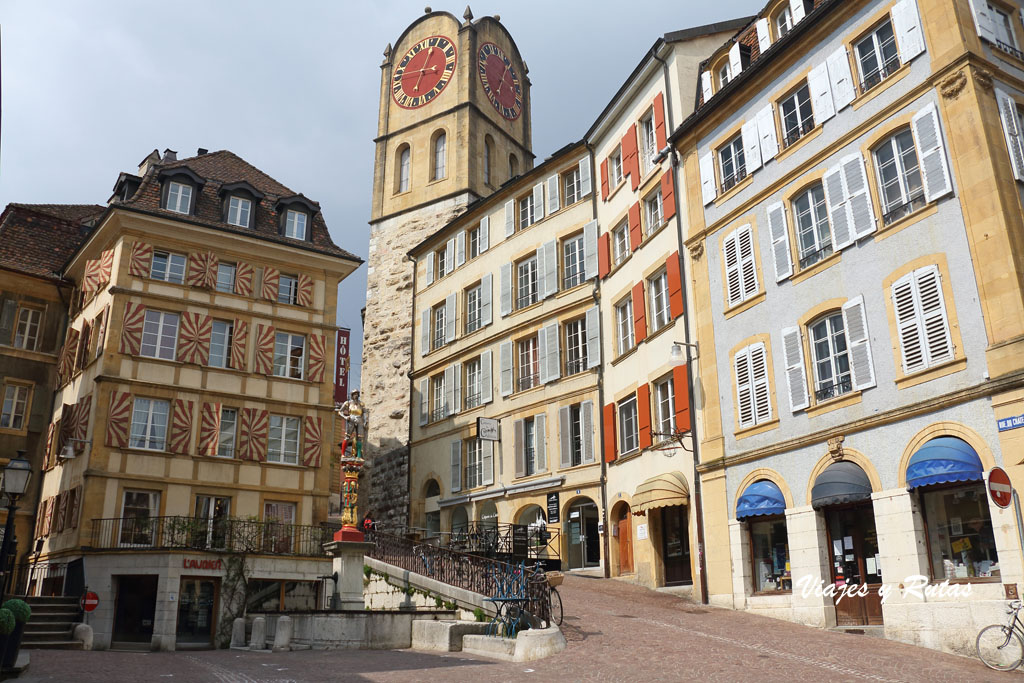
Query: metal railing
473, 400
905, 209
812, 257
805, 127
527, 299
218, 535
528, 381
833, 389
729, 182
572, 279
575, 366
876, 77
473, 322
43, 579
438, 414
1010, 50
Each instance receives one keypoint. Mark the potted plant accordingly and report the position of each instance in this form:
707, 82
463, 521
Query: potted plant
7, 625
22, 613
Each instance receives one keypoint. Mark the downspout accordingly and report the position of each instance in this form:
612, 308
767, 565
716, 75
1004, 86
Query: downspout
408, 442
697, 503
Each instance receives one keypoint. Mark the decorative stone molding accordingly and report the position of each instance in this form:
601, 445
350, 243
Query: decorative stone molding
835, 447
697, 251
953, 85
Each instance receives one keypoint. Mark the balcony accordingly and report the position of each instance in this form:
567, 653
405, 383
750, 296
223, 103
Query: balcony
528, 380
876, 77
915, 203
731, 181
227, 534
1010, 50
810, 258
833, 389
473, 400
797, 132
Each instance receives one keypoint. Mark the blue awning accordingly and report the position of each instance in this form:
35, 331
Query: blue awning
943, 460
761, 498
840, 482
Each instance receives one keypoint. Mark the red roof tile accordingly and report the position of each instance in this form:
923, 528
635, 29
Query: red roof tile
38, 239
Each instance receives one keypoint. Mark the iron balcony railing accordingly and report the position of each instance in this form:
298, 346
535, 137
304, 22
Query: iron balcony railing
812, 257
905, 209
438, 414
833, 389
575, 366
729, 182
876, 77
219, 535
573, 279
527, 299
1010, 50
794, 134
528, 381
473, 400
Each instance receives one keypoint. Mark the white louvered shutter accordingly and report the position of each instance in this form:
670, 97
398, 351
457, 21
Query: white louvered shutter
457, 391
862, 367
505, 305
731, 256
564, 437
538, 201
510, 218
518, 439
487, 462
485, 234
983, 20
449, 318
542, 355
449, 391
486, 285
486, 383
906, 24
553, 200
840, 78
821, 93
735, 61
460, 248
586, 178
796, 373
1012, 131
751, 145
908, 324
838, 216
858, 198
797, 10
935, 324
766, 132
505, 360
553, 358
430, 270
705, 85
548, 265
707, 178
590, 250
759, 378
587, 427
449, 256
934, 169
764, 35
424, 401
593, 323
748, 263
540, 437
425, 333
780, 241
456, 466
744, 388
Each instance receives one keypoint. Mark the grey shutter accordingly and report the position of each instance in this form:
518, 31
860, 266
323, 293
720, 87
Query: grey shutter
486, 286
449, 318
457, 391
506, 289
460, 248
586, 181
766, 131
708, 189
906, 24
542, 355
551, 358
780, 241
587, 427
840, 78
425, 333
593, 337
485, 234
510, 218
759, 376
449, 390
487, 462
449, 256
856, 324
908, 324
424, 401
548, 265
934, 323
486, 383
456, 466
590, 250
744, 388
796, 375
821, 93
751, 145
1012, 131
430, 269
553, 199
564, 437
932, 153
858, 198
797, 10
983, 20
517, 446
7, 321
705, 85
538, 202
835, 200
764, 35
540, 436
748, 262
505, 360
735, 62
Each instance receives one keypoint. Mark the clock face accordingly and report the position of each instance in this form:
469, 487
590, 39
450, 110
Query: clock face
500, 81
424, 72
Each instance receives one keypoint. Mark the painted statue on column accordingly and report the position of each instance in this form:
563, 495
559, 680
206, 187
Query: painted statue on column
354, 413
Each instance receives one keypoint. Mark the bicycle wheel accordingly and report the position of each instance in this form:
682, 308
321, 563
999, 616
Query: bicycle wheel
556, 607
999, 647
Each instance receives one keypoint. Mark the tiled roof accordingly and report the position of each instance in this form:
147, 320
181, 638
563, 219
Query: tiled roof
38, 239
221, 168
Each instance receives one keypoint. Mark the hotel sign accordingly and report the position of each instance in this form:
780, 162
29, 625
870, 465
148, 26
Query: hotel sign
341, 367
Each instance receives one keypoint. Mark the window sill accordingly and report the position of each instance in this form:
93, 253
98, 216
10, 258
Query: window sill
791, 150
535, 304
734, 190
771, 594
534, 475
626, 457
865, 97
742, 306
649, 235
1005, 56
563, 292
14, 432
615, 190
582, 465
658, 332
928, 374
843, 401
616, 266
646, 179
625, 355
823, 264
756, 429
905, 222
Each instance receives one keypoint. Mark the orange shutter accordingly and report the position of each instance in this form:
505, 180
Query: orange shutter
243, 279
639, 313
106, 266
668, 195
631, 157
264, 358
604, 255
312, 434
209, 429
131, 329
604, 180
681, 391
304, 296
636, 234
141, 263
271, 277
181, 427
194, 338
675, 285
643, 411
119, 419
659, 121
239, 339
76, 506
317, 357
609, 433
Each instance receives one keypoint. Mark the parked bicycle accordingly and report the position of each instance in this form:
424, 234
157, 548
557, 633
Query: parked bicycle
1001, 647
551, 608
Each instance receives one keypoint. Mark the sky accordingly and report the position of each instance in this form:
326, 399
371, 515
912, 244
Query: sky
89, 88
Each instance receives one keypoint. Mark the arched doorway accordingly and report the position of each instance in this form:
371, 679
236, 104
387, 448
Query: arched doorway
581, 533
489, 515
460, 520
431, 507
622, 533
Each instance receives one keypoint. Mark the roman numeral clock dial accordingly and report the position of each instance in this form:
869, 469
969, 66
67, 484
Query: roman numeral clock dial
424, 72
500, 81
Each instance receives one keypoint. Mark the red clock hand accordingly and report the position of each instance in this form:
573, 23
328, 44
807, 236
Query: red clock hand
430, 52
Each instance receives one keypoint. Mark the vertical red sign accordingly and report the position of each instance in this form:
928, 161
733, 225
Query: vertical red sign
341, 367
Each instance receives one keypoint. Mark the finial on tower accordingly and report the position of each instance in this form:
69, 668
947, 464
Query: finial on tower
387, 53
467, 15
427, 10
497, 17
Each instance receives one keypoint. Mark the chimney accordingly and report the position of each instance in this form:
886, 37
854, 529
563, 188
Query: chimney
201, 151
169, 156
151, 159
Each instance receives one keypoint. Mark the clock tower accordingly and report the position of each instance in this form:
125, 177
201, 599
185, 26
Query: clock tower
454, 126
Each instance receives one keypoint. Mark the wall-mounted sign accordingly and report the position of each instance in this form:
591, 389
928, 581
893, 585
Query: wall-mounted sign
1014, 422
520, 538
486, 429
341, 368
553, 505
189, 563
641, 532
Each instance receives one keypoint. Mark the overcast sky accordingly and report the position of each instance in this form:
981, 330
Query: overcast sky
90, 88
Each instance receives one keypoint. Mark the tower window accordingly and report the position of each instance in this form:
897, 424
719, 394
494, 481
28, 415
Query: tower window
513, 166
440, 144
488, 144
404, 161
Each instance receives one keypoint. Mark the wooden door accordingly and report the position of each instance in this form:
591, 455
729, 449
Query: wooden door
625, 545
675, 540
853, 553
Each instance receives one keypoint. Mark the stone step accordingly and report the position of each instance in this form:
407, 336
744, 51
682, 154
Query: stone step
54, 645
72, 601
46, 636
490, 646
871, 631
54, 616
444, 636
48, 626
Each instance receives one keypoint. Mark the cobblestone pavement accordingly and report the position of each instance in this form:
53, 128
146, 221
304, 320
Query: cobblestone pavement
615, 631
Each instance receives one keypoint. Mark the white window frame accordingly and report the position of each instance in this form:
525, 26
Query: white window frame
529, 446
226, 273
665, 407
437, 395
813, 221
137, 530
172, 268
826, 351
178, 194
620, 243
648, 143
572, 185
473, 238
439, 319
731, 153
527, 282
474, 308
615, 176
624, 324
627, 425
15, 406
440, 156
295, 224
146, 433
575, 346
283, 446
528, 363
288, 289
908, 195
162, 342
724, 74
221, 333
239, 210
26, 332
657, 296
286, 363
573, 261
877, 46
797, 105
474, 397
527, 211
575, 435
654, 212
404, 159
474, 463
228, 433
783, 22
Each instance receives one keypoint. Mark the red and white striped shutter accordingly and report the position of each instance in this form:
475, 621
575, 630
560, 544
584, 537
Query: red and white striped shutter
196, 270
203, 339
90, 279
244, 450
76, 506
81, 428
101, 332
119, 419
181, 427
194, 338
106, 267
317, 357
312, 437
244, 274
209, 429
67, 425
40, 516
259, 430
131, 329
48, 454
48, 516
70, 353
305, 293
239, 340
61, 512
210, 280
271, 278
264, 358
141, 263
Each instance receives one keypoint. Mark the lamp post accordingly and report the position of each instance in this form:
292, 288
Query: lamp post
13, 485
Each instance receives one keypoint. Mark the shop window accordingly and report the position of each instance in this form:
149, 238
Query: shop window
769, 552
960, 536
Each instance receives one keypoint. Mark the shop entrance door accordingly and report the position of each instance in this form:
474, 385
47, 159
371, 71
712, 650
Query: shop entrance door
197, 602
675, 539
135, 608
853, 549
584, 540
625, 543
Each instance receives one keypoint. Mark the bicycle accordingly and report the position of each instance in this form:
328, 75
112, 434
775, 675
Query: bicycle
553, 598
1001, 647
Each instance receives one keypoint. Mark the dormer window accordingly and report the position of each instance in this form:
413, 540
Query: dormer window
239, 203
179, 197
180, 189
295, 216
239, 209
295, 225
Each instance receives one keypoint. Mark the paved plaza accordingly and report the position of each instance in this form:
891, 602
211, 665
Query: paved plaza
615, 631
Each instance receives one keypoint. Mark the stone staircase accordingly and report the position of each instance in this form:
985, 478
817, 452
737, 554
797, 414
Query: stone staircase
52, 622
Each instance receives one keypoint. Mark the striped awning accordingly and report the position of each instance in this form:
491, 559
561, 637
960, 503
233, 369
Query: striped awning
661, 491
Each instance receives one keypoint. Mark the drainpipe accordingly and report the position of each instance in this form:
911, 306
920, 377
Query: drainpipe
697, 502
412, 388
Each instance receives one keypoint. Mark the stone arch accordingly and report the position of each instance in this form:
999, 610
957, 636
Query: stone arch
946, 428
438, 138
403, 168
768, 475
850, 455
488, 162
525, 514
513, 166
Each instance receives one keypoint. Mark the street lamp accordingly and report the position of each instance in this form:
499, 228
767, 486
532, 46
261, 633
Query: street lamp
676, 357
13, 485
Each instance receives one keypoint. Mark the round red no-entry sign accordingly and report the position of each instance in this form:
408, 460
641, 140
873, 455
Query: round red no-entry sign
999, 487
89, 601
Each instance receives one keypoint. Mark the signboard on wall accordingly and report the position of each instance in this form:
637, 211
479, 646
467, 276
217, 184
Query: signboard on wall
553, 504
341, 366
487, 429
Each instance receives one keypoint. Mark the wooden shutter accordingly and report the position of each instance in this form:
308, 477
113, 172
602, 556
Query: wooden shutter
604, 180
448, 404
485, 234
194, 338
840, 79
554, 203
505, 360
858, 197
140, 263
744, 388
668, 195
708, 189
636, 234
586, 181
48, 516
429, 276
856, 324
449, 256
264, 358
751, 137
540, 445
766, 132
604, 255
449, 318
906, 24
317, 357
631, 157
661, 139
106, 267
424, 401
76, 506
983, 20
908, 324
67, 360
457, 387
548, 265
821, 93
91, 277
564, 437
705, 85
797, 10
593, 323
425, 332
239, 340
81, 422
253, 432
932, 153
271, 279
518, 439
131, 328
639, 312
486, 296
590, 250
460, 248
312, 440
1012, 132
675, 285
934, 323
486, 385
67, 425
764, 36
119, 419
487, 462
796, 374
61, 512
456, 465
505, 304
735, 60
200, 265
244, 276
101, 330
510, 218
643, 412
209, 428
759, 375
681, 395
304, 297
7, 321
48, 453
609, 432
731, 258
838, 214
538, 202
587, 430
551, 356
181, 426
780, 241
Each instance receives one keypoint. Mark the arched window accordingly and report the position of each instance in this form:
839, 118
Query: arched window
513, 166
488, 144
404, 163
440, 149
830, 356
432, 493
